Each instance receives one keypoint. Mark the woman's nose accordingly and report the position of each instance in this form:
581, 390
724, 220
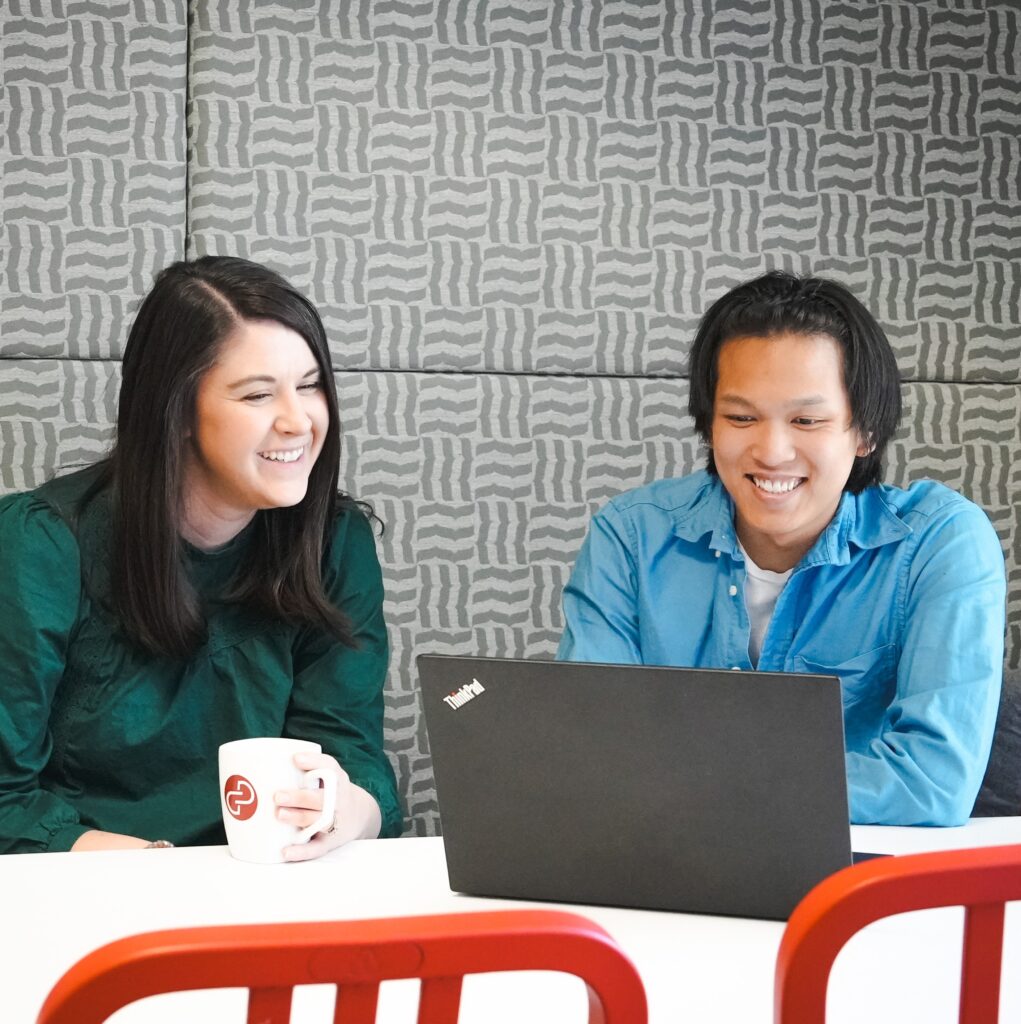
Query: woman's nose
293, 417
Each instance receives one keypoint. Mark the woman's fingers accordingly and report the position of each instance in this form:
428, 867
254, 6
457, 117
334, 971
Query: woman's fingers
300, 799
315, 847
297, 818
299, 807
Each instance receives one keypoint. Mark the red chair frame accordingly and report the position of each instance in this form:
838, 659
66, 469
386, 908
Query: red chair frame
981, 880
270, 959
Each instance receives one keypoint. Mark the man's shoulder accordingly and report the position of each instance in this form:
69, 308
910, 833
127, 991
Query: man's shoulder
672, 494
922, 500
927, 510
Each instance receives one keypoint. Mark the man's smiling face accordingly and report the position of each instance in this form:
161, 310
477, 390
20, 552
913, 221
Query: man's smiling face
782, 440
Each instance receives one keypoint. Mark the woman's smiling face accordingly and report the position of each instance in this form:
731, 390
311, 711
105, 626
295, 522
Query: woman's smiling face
782, 440
260, 421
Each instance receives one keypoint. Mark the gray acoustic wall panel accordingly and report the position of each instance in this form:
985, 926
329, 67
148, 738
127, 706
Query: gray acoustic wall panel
512, 216
565, 186
525, 208
92, 166
486, 483
58, 414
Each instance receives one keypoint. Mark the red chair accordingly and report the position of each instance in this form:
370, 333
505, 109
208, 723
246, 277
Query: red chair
269, 959
981, 880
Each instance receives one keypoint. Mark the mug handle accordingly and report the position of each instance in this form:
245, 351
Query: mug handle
328, 777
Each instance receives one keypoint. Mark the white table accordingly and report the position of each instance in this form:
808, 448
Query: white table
58, 907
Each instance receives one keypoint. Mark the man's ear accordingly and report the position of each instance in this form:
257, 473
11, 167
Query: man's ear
865, 447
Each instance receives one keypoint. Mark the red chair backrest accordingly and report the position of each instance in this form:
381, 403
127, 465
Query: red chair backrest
270, 959
981, 880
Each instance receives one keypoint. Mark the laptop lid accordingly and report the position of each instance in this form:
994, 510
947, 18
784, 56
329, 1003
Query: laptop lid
705, 791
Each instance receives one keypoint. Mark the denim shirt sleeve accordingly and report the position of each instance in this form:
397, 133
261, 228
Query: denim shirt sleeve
926, 766
600, 602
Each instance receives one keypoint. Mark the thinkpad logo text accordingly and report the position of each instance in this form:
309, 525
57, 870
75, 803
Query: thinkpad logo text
466, 693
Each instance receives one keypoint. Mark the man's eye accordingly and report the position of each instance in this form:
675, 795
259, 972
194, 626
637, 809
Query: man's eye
739, 420
806, 421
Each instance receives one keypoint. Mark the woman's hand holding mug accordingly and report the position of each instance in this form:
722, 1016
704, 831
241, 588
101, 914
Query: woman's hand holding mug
356, 814
284, 799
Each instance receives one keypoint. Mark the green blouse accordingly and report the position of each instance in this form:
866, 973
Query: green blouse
96, 734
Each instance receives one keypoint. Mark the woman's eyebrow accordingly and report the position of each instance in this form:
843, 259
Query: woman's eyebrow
261, 378
254, 379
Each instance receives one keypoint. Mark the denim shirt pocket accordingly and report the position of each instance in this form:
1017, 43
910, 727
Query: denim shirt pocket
869, 677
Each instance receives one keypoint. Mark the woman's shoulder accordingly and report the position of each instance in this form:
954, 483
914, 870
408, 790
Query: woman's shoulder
39, 544
50, 523
351, 544
353, 521
33, 517
63, 495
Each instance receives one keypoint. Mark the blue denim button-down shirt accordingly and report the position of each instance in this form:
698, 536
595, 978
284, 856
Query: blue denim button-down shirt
902, 597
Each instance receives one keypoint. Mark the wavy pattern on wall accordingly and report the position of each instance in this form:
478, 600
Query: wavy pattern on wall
93, 170
512, 216
486, 483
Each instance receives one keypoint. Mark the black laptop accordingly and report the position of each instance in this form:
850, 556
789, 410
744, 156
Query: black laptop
698, 790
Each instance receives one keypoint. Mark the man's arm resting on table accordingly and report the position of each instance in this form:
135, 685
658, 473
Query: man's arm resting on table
927, 766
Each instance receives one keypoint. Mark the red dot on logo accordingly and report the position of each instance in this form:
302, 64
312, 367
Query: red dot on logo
239, 796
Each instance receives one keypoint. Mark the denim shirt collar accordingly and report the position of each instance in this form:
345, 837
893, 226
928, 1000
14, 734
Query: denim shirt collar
862, 520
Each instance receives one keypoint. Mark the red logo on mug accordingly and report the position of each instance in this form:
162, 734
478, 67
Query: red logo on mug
239, 796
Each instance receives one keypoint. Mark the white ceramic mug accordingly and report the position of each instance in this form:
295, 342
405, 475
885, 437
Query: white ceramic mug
251, 771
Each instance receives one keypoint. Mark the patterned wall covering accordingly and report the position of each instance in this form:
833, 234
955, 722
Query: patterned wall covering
511, 216
93, 178
93, 169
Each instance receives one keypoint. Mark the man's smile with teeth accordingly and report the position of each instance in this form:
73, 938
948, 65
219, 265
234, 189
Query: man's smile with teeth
776, 486
289, 456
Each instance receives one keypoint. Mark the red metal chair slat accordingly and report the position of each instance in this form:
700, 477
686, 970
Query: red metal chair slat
440, 1001
982, 965
269, 1005
356, 1004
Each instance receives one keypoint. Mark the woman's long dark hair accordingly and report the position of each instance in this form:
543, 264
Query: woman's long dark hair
181, 324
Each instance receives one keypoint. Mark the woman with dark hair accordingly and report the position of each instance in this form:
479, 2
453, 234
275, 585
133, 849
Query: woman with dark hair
787, 553
205, 583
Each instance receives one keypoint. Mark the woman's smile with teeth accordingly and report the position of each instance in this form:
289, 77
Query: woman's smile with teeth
289, 456
776, 486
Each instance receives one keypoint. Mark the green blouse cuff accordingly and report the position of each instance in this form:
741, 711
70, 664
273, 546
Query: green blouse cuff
392, 821
66, 836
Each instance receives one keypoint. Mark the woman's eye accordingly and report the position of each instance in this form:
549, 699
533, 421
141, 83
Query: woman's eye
312, 385
257, 397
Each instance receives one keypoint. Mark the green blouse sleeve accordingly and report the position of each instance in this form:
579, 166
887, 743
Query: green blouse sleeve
38, 608
337, 700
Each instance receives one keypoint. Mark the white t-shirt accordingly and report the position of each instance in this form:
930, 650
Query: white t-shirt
761, 590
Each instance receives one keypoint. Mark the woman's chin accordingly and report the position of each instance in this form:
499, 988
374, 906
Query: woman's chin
286, 497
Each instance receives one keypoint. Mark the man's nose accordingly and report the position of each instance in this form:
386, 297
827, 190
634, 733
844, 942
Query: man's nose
774, 445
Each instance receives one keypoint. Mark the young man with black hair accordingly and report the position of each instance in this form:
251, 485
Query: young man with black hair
787, 554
